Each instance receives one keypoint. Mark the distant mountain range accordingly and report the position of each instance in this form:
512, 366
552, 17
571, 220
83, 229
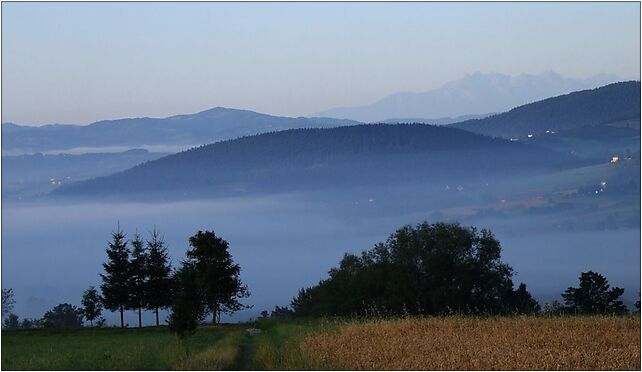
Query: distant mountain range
584, 127
454, 102
607, 104
307, 159
194, 129
474, 94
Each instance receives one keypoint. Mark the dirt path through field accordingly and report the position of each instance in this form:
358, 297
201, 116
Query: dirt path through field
245, 361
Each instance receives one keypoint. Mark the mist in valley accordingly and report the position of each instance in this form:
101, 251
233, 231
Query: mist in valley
562, 196
53, 250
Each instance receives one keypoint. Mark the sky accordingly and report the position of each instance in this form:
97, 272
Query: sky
76, 63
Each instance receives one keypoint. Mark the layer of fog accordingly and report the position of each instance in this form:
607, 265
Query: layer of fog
169, 148
51, 253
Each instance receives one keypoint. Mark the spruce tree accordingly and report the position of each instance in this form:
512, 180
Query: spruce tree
138, 276
116, 282
158, 286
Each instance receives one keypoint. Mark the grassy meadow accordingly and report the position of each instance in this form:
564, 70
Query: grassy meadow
437, 343
212, 347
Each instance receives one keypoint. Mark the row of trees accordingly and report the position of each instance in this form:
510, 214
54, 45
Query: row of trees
136, 278
428, 269
438, 269
208, 280
137, 275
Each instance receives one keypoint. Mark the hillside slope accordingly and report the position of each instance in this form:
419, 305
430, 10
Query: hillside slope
26, 176
602, 105
306, 159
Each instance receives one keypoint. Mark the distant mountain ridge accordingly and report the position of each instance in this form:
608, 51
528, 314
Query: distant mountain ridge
304, 159
474, 94
193, 129
602, 105
436, 121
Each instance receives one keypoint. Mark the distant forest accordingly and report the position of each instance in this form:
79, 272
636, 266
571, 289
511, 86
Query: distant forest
602, 105
314, 158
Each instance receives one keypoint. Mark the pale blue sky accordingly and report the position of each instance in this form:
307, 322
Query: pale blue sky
81, 62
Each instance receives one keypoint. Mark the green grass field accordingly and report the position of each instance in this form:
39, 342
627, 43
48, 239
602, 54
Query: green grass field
112, 348
461, 343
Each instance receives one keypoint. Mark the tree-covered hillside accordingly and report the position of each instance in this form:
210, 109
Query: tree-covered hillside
305, 159
602, 105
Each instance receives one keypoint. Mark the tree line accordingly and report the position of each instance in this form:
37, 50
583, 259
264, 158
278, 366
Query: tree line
438, 269
428, 269
138, 276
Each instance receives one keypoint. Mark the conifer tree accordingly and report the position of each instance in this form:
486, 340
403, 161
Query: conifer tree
158, 286
138, 276
116, 282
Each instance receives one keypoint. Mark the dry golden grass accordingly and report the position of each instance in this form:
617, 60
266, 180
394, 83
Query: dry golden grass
460, 343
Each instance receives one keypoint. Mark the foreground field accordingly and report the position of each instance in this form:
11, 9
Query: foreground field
459, 343
115, 349
474, 344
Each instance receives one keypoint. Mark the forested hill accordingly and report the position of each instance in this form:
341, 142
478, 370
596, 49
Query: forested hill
602, 105
304, 159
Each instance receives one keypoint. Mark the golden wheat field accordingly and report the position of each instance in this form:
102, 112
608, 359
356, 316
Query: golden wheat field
460, 343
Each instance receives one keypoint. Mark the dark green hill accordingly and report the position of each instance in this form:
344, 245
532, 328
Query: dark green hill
597, 142
602, 105
304, 159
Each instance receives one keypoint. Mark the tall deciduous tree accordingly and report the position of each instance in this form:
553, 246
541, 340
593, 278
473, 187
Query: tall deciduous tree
116, 281
158, 269
92, 305
218, 275
138, 276
594, 296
